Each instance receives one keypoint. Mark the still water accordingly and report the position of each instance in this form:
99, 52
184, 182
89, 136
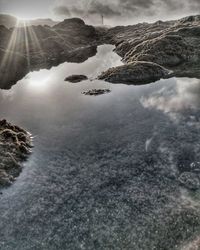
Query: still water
105, 170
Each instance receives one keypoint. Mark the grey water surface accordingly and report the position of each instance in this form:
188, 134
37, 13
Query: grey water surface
105, 171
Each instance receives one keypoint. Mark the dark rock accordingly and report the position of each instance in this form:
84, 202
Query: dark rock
96, 92
15, 144
71, 40
135, 73
76, 78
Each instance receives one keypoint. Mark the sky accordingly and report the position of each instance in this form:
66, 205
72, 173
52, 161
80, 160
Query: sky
114, 11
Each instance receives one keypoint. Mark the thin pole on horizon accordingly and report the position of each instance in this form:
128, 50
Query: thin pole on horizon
102, 19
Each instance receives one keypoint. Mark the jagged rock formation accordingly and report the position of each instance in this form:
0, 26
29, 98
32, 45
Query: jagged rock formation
173, 45
25, 49
15, 144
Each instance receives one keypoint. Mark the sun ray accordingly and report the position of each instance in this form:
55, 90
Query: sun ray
34, 39
26, 43
11, 47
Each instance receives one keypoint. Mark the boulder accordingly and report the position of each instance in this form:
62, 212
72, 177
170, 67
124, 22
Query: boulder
135, 73
76, 78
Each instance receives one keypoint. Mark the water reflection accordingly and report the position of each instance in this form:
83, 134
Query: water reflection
174, 99
104, 172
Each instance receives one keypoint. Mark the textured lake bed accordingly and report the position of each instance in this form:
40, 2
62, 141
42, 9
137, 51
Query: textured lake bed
115, 171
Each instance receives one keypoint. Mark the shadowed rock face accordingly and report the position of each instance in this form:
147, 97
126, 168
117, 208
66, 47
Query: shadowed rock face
173, 45
25, 49
15, 144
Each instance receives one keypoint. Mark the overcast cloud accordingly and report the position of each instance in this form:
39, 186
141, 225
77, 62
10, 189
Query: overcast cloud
114, 11
127, 10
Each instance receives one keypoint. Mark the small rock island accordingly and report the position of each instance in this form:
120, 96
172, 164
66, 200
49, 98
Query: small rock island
76, 78
96, 92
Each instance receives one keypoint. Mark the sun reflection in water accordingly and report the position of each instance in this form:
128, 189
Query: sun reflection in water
38, 81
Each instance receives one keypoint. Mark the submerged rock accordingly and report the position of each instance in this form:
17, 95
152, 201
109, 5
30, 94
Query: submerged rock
189, 180
135, 73
76, 78
15, 145
96, 92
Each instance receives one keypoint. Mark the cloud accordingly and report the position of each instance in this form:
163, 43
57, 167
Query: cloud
62, 11
177, 100
116, 10
103, 9
94, 8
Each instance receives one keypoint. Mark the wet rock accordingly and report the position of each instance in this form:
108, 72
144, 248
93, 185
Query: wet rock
172, 44
96, 92
189, 180
135, 73
15, 145
76, 78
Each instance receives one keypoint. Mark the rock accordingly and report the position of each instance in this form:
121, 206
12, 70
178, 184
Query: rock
15, 144
135, 73
76, 78
189, 180
71, 40
172, 44
96, 92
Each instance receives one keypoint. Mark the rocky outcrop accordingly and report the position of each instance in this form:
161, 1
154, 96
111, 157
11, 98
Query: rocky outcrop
135, 73
76, 78
15, 145
24, 49
173, 45
95, 92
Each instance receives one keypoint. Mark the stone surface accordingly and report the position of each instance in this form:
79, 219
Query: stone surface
135, 73
96, 92
172, 44
76, 78
15, 145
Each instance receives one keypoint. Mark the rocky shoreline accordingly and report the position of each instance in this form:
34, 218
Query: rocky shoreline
171, 46
26, 49
15, 147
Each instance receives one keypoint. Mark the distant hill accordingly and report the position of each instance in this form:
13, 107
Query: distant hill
42, 22
7, 20
10, 21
